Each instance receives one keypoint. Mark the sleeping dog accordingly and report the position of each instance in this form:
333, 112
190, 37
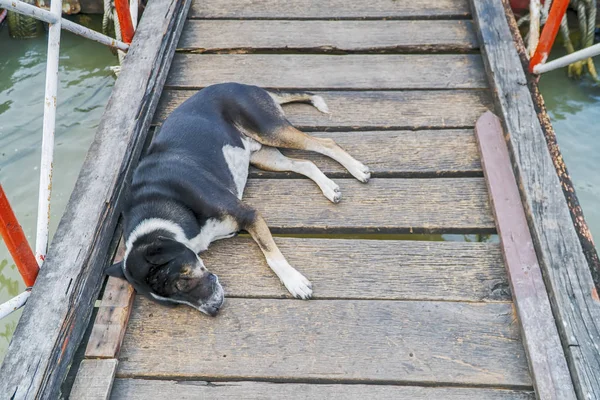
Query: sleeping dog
187, 191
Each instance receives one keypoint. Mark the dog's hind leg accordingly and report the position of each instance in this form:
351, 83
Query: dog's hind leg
271, 159
300, 97
294, 281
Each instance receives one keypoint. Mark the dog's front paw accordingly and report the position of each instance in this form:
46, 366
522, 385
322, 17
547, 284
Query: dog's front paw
297, 284
363, 174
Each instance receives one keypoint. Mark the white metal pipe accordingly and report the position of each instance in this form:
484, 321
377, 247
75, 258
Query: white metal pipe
50, 101
93, 35
579, 55
535, 10
14, 304
133, 10
46, 16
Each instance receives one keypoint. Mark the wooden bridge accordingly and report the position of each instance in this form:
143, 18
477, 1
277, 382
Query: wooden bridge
391, 318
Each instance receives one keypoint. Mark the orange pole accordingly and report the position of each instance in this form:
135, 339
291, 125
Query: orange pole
15, 240
122, 7
557, 11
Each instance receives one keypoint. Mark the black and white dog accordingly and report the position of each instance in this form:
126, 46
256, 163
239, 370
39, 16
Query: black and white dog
186, 191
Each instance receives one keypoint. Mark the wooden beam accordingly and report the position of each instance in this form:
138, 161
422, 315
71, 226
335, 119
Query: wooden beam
333, 9
113, 314
403, 269
448, 205
329, 72
94, 380
546, 358
143, 389
58, 311
201, 36
423, 343
367, 110
574, 299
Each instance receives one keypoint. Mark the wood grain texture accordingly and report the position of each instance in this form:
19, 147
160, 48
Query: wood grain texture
382, 205
112, 317
287, 71
57, 313
327, 36
574, 299
546, 358
312, 9
329, 341
373, 110
140, 389
94, 380
111, 320
402, 270
396, 154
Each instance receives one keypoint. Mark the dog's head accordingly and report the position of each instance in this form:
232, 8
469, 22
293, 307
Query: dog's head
170, 273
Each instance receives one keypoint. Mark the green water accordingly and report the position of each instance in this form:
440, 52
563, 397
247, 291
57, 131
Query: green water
85, 85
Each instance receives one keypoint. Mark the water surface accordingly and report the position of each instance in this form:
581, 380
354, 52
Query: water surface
85, 85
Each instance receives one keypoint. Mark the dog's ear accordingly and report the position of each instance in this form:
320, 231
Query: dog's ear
163, 250
116, 270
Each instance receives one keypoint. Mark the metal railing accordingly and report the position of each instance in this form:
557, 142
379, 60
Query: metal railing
540, 49
11, 230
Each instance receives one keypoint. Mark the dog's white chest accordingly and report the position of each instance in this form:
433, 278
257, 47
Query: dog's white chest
238, 160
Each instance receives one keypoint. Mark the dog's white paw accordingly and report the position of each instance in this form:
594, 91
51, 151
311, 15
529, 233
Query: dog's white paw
297, 284
361, 172
318, 102
333, 193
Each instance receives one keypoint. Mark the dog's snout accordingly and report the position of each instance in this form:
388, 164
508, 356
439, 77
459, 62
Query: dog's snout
212, 278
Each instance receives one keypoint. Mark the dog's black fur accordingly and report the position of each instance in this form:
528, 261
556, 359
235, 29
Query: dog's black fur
183, 184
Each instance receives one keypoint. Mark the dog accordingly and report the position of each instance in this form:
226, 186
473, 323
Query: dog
186, 191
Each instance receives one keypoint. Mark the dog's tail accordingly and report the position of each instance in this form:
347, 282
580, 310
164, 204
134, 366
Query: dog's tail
300, 97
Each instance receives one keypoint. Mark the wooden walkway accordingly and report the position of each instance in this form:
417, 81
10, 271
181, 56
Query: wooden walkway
406, 83
390, 318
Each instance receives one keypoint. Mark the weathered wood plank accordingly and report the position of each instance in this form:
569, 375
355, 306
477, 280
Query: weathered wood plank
113, 314
382, 205
373, 110
314, 9
94, 380
575, 301
328, 36
397, 154
546, 358
111, 320
58, 311
403, 270
329, 341
140, 389
407, 71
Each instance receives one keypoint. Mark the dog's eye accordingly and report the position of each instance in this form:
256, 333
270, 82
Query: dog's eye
185, 271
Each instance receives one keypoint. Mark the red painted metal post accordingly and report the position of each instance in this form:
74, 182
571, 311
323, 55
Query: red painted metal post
15, 240
557, 11
122, 7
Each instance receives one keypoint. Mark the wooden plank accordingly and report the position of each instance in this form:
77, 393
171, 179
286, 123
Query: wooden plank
386, 205
113, 315
374, 110
328, 36
544, 351
141, 389
397, 154
94, 380
292, 71
329, 341
111, 320
403, 270
58, 311
574, 299
313, 9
